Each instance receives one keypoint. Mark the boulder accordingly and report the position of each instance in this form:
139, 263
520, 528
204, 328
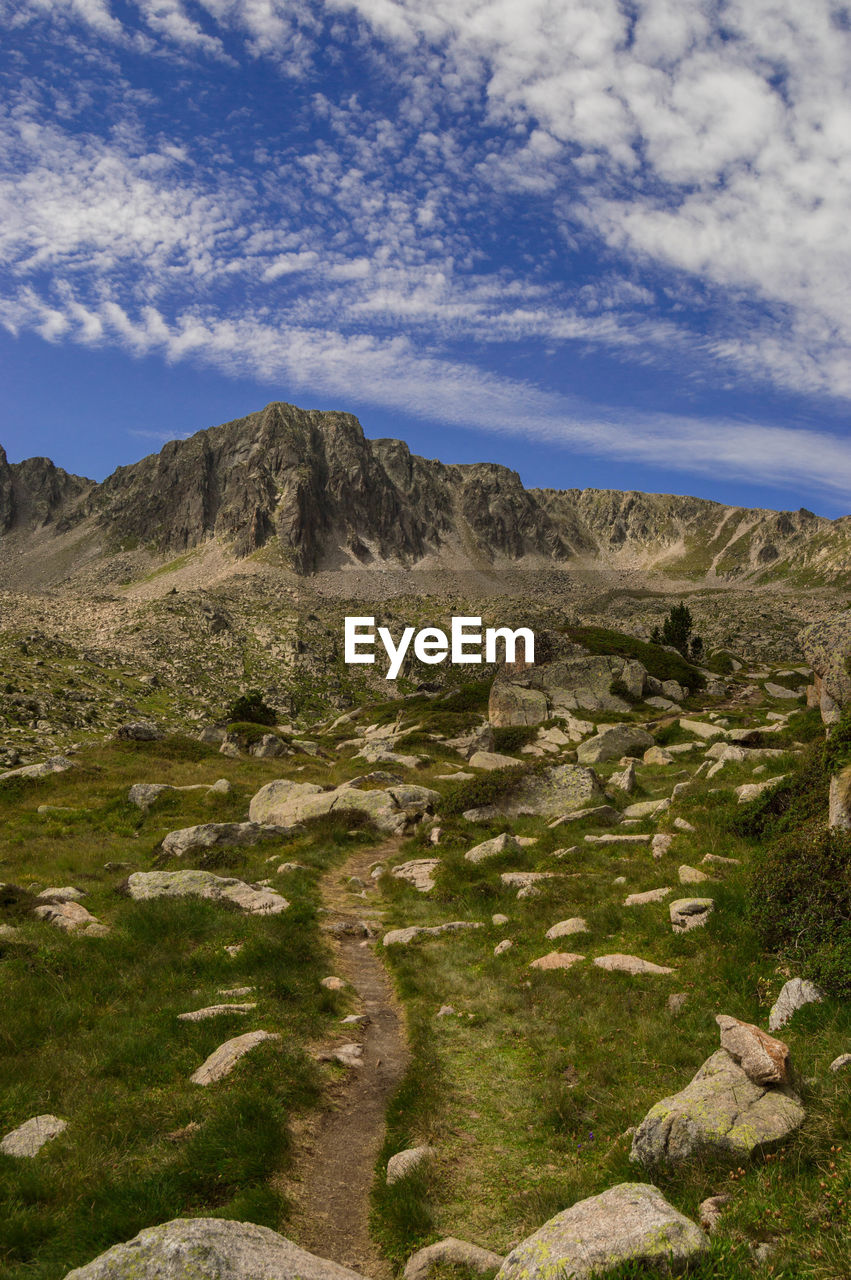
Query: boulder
67, 893
839, 810
405, 1162
619, 963
690, 913
646, 808
56, 764
827, 649
402, 937
501, 947
512, 704
553, 792
139, 731
625, 781
751, 790
419, 872
556, 960
796, 993
209, 1249
611, 744
720, 1113
504, 843
29, 1138
68, 916
566, 927
674, 690
453, 1253
285, 804
492, 760
269, 747
691, 875
215, 835
144, 885
779, 691
214, 1011
763, 1059
631, 1222
223, 1060
602, 815
700, 728
650, 895
658, 755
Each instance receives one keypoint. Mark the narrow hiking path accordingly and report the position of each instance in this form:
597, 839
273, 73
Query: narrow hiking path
333, 1170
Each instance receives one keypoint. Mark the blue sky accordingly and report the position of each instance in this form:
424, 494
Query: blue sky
605, 242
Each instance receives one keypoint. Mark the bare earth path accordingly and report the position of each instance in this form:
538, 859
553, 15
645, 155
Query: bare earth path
332, 1176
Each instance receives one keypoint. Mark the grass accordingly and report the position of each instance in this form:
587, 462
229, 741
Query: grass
528, 1093
657, 660
90, 1029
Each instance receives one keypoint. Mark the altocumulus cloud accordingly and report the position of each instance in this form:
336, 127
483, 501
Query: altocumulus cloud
663, 181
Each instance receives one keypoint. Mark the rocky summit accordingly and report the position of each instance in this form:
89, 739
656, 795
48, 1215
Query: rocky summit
313, 486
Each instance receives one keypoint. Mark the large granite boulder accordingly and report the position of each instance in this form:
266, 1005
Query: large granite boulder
632, 1222
827, 649
722, 1112
215, 835
552, 792
209, 1249
512, 704
611, 744
285, 804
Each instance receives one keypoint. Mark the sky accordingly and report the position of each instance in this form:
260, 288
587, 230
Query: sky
604, 242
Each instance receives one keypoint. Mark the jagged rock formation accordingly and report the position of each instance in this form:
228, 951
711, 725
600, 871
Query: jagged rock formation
311, 483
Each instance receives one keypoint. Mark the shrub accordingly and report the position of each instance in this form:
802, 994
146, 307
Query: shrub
251, 707
657, 661
514, 736
837, 750
677, 631
797, 800
799, 898
477, 792
619, 689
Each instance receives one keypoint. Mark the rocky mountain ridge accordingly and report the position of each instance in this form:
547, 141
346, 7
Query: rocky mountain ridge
311, 485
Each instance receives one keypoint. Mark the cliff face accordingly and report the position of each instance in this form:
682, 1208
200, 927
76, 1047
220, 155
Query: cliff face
35, 493
312, 483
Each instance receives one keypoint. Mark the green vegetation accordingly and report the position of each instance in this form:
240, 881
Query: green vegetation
657, 661
677, 630
486, 789
90, 1030
513, 737
837, 749
250, 707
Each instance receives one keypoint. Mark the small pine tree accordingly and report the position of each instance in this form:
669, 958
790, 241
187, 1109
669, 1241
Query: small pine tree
250, 707
677, 632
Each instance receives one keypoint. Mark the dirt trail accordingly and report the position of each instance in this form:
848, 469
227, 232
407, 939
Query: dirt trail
333, 1171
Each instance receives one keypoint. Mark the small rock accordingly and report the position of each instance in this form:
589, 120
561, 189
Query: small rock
660, 844
445, 1011
501, 947
650, 895
556, 960
214, 1011
333, 984
682, 825
566, 927
499, 919
796, 993
715, 860
139, 731
710, 1211
658, 755
676, 1002
630, 964
762, 1058
504, 843
28, 1139
690, 913
691, 875
450, 1252
844, 1060
223, 1060
405, 1162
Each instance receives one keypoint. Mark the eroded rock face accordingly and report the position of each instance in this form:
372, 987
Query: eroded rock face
631, 1222
209, 1249
827, 649
144, 885
721, 1112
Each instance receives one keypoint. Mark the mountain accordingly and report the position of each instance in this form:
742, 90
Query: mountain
310, 486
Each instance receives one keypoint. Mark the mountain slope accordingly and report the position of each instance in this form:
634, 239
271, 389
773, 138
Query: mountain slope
312, 485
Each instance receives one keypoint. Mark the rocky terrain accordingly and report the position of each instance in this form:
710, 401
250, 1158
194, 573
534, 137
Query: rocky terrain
497, 970
311, 488
588, 1059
